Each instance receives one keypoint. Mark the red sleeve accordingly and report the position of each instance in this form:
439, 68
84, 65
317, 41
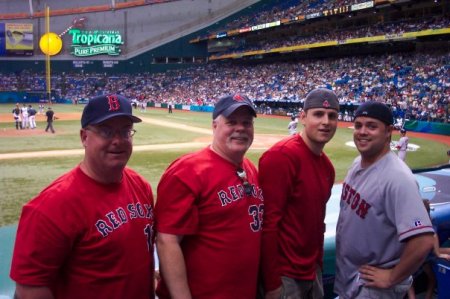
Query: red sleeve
175, 210
39, 251
276, 186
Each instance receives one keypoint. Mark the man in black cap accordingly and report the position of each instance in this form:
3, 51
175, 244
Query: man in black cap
89, 234
296, 177
209, 213
50, 114
383, 232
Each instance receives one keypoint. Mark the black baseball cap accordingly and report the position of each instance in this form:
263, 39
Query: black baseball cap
104, 107
375, 110
230, 103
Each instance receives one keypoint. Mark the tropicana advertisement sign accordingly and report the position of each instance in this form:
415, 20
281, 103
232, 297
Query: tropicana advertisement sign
90, 43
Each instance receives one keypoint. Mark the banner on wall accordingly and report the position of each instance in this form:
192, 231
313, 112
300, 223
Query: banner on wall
16, 39
95, 42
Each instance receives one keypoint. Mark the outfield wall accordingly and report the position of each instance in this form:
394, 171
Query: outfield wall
410, 125
35, 97
13, 97
428, 127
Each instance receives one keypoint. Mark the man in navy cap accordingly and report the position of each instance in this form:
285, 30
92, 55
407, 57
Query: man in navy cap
89, 234
209, 213
383, 232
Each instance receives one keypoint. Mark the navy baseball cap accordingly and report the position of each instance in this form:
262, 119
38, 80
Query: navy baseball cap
230, 103
321, 98
104, 107
375, 110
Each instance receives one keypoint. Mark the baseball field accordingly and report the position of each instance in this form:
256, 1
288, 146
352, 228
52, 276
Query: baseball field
31, 159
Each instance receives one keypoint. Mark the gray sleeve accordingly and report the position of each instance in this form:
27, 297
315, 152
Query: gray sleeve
405, 207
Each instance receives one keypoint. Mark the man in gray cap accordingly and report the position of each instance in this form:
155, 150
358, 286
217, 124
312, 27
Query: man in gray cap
295, 196
383, 232
90, 233
209, 213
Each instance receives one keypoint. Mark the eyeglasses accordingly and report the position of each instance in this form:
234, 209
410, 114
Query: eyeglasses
243, 176
108, 133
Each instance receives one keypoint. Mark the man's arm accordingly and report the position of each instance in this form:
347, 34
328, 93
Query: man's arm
32, 292
414, 253
443, 253
172, 265
275, 186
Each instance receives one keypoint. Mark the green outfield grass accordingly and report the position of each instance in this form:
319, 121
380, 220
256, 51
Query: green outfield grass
22, 179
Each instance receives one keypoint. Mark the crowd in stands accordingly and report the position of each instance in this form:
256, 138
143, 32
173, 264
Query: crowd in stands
285, 10
417, 85
323, 34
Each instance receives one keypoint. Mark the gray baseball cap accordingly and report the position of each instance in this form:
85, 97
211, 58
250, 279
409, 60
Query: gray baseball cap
321, 98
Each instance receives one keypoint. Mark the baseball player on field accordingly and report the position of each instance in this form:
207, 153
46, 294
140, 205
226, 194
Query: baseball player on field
17, 113
209, 213
383, 232
296, 177
25, 121
292, 126
89, 234
402, 145
32, 116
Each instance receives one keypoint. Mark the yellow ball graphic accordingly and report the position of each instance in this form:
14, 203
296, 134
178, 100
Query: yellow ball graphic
50, 43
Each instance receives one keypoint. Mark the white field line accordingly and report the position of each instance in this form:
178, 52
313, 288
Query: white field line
259, 143
136, 148
183, 127
75, 152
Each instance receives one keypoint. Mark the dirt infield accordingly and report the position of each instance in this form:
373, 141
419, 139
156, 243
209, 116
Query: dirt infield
260, 142
10, 132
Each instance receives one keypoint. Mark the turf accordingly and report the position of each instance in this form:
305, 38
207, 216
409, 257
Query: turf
22, 179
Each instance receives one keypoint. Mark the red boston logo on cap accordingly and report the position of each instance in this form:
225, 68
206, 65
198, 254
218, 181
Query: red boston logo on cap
326, 104
113, 103
238, 98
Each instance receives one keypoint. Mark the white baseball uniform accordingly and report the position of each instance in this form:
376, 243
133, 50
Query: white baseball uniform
402, 146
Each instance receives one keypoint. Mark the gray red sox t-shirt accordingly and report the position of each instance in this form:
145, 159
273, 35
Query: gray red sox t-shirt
380, 207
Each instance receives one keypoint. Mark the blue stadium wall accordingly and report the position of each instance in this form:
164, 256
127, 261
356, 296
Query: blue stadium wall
141, 63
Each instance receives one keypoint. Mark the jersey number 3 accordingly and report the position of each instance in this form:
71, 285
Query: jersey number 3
257, 212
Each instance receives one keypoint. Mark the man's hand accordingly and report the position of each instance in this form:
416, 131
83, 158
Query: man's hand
444, 256
275, 294
376, 277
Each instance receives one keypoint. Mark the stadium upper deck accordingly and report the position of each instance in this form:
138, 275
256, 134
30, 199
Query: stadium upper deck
144, 24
